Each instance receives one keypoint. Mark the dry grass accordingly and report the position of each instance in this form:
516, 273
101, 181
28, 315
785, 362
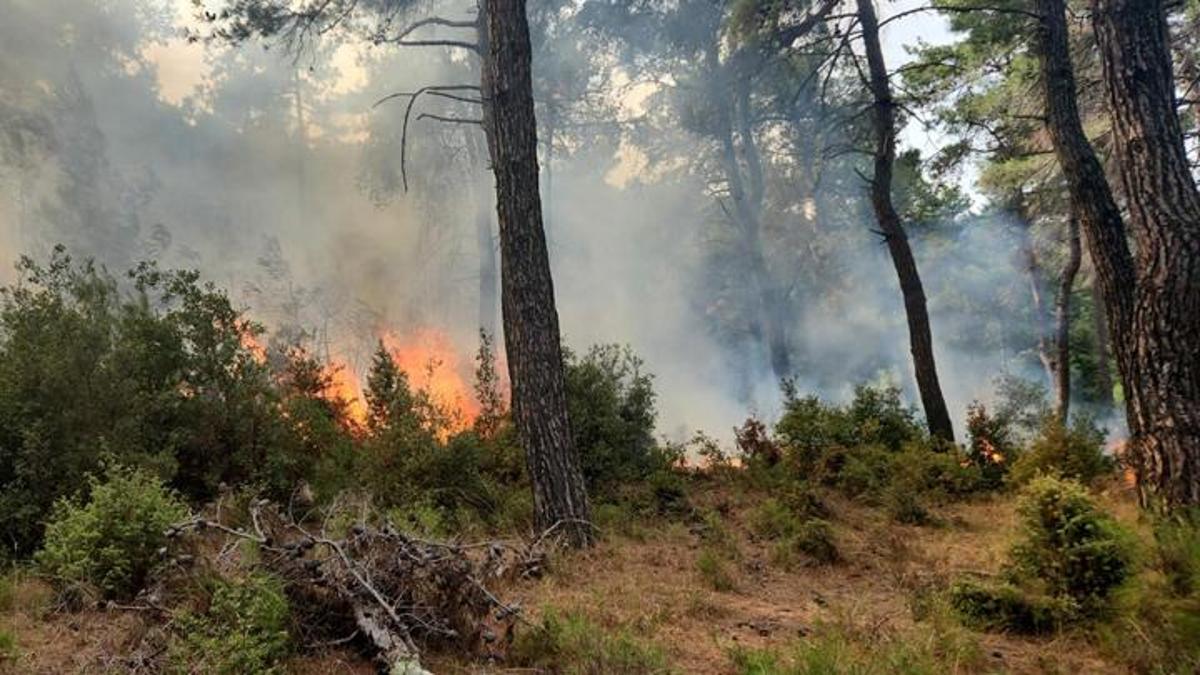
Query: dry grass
649, 586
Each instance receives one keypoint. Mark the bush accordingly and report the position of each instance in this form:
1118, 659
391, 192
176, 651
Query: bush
809, 428
243, 630
992, 448
1068, 546
111, 541
572, 644
714, 571
1008, 608
611, 403
1074, 452
812, 539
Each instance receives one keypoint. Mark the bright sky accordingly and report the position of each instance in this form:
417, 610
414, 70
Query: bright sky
182, 68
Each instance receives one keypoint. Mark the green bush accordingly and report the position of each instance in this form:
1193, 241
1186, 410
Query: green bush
111, 541
611, 402
1007, 608
572, 644
809, 428
1067, 546
8, 646
243, 630
814, 539
1074, 452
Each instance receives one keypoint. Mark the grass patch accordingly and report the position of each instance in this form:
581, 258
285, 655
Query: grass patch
572, 644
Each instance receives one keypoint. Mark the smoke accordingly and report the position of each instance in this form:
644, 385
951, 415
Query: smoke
279, 179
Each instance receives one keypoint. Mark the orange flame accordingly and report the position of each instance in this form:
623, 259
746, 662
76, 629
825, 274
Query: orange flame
252, 344
433, 365
345, 386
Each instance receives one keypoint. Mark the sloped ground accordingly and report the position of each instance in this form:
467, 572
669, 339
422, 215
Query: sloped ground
642, 582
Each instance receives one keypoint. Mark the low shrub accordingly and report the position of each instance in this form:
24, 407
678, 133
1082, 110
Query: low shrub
1074, 451
1069, 547
1005, 607
244, 629
8, 646
572, 644
714, 570
813, 539
110, 541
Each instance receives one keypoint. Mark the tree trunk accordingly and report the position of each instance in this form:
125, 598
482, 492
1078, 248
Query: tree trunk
531, 334
1029, 262
1090, 196
1062, 322
1164, 212
919, 333
1103, 381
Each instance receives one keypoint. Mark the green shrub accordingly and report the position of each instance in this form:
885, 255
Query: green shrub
921, 476
1008, 608
1067, 546
611, 403
773, 519
809, 428
111, 541
865, 472
1066, 452
572, 644
1157, 625
813, 539
714, 570
8, 646
243, 630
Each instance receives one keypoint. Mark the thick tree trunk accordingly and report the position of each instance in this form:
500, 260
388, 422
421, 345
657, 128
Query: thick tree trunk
531, 334
1062, 322
919, 333
1164, 212
1090, 196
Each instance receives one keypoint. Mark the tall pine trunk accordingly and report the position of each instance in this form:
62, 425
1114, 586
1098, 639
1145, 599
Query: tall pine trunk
531, 333
1090, 196
1164, 214
919, 333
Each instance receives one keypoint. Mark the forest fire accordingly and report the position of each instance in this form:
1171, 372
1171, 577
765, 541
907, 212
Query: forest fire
345, 385
433, 365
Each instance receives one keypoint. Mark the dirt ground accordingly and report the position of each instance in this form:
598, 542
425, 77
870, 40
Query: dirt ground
646, 581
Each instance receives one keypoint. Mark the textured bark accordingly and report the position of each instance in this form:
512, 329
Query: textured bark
1164, 214
919, 333
531, 333
1090, 196
1062, 322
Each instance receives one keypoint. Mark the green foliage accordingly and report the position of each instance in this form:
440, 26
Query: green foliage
1074, 452
611, 404
812, 540
810, 428
8, 646
571, 644
111, 541
243, 630
154, 371
1157, 624
1004, 607
1068, 545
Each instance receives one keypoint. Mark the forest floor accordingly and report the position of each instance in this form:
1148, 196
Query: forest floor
642, 590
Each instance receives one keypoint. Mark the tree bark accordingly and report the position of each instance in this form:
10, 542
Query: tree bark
531, 333
1062, 321
1090, 196
919, 332
1164, 213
